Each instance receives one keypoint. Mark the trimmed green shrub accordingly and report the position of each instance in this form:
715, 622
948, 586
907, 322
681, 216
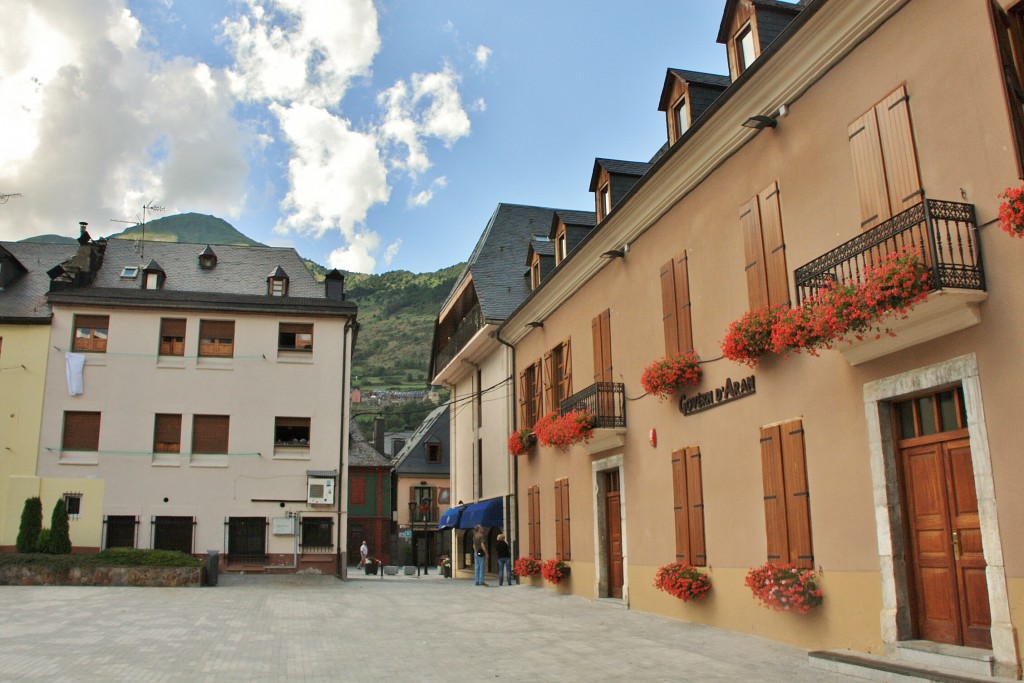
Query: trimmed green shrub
139, 557
43, 542
31, 525
60, 533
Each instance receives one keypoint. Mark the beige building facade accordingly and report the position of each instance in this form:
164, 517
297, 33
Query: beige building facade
898, 453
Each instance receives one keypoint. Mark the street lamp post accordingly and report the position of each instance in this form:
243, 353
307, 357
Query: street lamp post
412, 535
425, 508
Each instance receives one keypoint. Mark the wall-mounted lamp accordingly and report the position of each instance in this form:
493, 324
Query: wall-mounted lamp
759, 121
535, 323
616, 253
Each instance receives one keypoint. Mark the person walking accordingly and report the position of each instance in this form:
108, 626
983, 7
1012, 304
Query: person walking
503, 552
364, 552
480, 554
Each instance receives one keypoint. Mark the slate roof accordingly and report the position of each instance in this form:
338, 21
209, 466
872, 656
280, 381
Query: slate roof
708, 88
494, 264
238, 282
716, 80
24, 300
360, 452
412, 458
543, 247
618, 167
585, 218
775, 8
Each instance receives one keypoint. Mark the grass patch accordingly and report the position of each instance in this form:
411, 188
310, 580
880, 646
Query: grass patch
112, 557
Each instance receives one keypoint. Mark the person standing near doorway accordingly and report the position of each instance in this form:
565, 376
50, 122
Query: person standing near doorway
364, 552
480, 554
504, 554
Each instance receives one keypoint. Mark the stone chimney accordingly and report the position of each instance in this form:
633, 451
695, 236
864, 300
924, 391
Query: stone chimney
378, 434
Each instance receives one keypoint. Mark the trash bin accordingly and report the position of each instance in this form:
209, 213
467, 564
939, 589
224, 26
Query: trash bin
212, 567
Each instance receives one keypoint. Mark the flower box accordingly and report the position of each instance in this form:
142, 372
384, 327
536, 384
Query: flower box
521, 442
683, 581
668, 376
554, 571
784, 587
526, 566
563, 431
1011, 212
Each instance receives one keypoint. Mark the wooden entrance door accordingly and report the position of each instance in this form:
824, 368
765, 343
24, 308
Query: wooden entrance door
947, 563
613, 523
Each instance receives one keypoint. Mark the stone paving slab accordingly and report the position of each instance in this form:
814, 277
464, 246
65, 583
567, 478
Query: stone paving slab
396, 628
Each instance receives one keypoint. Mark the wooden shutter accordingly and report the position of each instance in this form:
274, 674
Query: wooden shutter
210, 433
602, 331
357, 490
680, 505
167, 433
523, 415
683, 322
774, 495
549, 382
559, 511
95, 322
695, 498
566, 370
669, 310
172, 327
798, 506
776, 275
533, 500
217, 329
753, 252
81, 431
536, 393
884, 160
292, 422
1006, 36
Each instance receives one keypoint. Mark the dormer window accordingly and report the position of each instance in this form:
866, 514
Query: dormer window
535, 272
153, 276
745, 51
680, 117
277, 282
561, 245
207, 259
604, 201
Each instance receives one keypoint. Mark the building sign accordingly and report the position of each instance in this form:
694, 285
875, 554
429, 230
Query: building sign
703, 400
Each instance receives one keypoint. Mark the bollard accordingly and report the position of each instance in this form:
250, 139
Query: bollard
212, 567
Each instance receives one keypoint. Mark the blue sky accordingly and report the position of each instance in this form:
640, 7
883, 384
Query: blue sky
371, 136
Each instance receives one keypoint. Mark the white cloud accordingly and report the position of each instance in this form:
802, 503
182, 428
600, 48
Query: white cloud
392, 251
482, 55
92, 126
302, 51
428, 107
424, 197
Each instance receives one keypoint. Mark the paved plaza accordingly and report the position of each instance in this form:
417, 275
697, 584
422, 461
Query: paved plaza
316, 628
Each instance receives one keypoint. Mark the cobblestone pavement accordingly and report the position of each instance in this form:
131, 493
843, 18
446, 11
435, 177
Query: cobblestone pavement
316, 628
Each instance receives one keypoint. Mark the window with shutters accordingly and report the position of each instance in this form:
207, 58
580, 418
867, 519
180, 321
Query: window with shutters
533, 523
675, 305
91, 333
530, 395
601, 327
764, 250
217, 338
884, 160
295, 337
172, 336
291, 431
688, 505
563, 550
558, 375
81, 431
357, 490
787, 508
1010, 34
167, 433
210, 433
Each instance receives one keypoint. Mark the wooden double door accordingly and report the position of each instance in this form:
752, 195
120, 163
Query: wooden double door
949, 593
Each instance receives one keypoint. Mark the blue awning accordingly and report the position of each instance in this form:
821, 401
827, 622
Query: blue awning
450, 518
484, 513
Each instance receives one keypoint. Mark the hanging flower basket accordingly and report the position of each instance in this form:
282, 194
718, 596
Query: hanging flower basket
526, 566
1011, 211
784, 587
683, 581
562, 431
521, 442
668, 376
842, 312
554, 571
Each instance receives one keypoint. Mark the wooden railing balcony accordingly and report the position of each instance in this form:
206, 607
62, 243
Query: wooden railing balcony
946, 234
472, 323
606, 401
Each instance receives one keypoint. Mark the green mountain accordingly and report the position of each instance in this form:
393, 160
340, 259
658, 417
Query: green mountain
194, 228
50, 239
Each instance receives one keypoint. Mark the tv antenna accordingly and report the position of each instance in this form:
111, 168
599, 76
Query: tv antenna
140, 219
4, 197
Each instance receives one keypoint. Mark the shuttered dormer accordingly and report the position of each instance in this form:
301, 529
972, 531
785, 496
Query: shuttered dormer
277, 282
685, 97
540, 259
749, 26
207, 259
153, 276
568, 228
612, 180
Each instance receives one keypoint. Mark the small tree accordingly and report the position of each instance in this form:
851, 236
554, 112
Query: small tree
31, 525
60, 534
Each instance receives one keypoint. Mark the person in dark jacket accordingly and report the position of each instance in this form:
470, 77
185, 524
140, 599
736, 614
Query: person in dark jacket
504, 555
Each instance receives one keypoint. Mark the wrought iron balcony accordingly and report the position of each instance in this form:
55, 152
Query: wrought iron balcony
946, 233
606, 401
472, 323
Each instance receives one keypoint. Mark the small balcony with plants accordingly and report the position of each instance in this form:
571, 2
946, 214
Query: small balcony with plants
943, 236
605, 403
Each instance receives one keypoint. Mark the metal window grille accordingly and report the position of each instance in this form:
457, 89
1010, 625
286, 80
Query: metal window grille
317, 534
173, 533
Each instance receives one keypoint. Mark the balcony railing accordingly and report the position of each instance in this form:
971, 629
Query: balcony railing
946, 233
606, 401
468, 327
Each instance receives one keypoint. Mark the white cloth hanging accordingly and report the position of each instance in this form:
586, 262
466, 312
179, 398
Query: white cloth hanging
75, 364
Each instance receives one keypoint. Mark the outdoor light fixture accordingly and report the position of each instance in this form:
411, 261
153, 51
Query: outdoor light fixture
535, 323
616, 253
759, 121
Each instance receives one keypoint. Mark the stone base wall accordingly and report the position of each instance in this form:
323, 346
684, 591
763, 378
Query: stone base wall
102, 576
